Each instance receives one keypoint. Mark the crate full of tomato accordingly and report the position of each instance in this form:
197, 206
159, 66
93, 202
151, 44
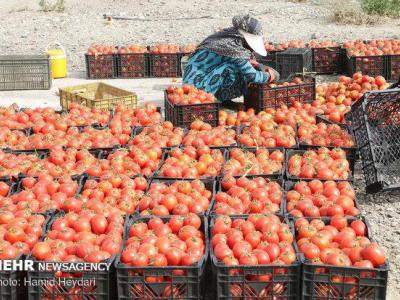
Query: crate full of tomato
274, 95
73, 240
163, 258
101, 62
185, 104
326, 58
368, 57
253, 257
165, 61
133, 62
340, 259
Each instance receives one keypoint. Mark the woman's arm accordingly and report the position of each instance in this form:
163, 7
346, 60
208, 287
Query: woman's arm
251, 75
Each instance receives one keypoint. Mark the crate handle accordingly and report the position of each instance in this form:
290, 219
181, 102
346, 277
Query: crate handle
82, 90
56, 44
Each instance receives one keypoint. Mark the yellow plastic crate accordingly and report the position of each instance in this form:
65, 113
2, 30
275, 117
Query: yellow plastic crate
98, 95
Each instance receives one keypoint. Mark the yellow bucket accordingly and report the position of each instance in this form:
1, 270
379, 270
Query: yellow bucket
58, 61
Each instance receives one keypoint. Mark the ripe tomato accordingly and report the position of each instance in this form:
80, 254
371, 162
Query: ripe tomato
41, 250
374, 254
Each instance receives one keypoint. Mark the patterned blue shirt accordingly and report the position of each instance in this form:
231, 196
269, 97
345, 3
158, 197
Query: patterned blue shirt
227, 78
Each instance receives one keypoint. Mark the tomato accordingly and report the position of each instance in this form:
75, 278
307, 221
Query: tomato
262, 257
248, 259
4, 189
8, 252
310, 251
176, 223
339, 222
139, 260
222, 250
193, 220
253, 238
272, 251
98, 224
359, 227
41, 250
374, 254
14, 234
337, 260
174, 256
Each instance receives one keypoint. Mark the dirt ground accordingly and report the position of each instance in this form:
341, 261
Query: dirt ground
24, 29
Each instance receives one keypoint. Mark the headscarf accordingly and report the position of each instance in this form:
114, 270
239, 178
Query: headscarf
229, 42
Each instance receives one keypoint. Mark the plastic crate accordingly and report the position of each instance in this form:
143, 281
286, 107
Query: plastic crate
280, 181
326, 60
181, 282
236, 282
101, 66
42, 153
183, 115
328, 282
288, 186
165, 65
375, 120
393, 67
25, 72
368, 65
294, 60
133, 65
260, 96
97, 284
290, 153
97, 95
276, 175
15, 290
269, 60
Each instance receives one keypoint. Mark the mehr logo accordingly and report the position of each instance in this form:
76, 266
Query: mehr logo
16, 265
28, 265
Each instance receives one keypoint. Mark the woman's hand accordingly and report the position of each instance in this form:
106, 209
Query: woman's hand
273, 74
254, 63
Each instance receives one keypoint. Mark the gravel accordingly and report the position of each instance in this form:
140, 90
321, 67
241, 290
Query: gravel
24, 29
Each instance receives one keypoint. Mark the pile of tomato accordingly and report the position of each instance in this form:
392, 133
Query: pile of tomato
339, 242
129, 175
261, 161
188, 94
321, 199
180, 241
191, 162
179, 197
323, 163
253, 240
335, 98
248, 196
202, 134
268, 134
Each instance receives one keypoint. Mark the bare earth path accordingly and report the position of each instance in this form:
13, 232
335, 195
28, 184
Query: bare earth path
23, 29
